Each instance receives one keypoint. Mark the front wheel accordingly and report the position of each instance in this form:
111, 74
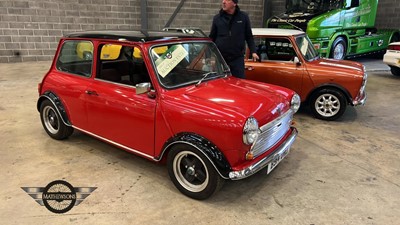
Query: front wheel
52, 122
192, 173
395, 70
338, 50
328, 104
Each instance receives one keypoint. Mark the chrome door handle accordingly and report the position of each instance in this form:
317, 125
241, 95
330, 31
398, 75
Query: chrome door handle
249, 68
89, 92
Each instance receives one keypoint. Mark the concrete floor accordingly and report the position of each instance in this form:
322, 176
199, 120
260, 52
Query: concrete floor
342, 172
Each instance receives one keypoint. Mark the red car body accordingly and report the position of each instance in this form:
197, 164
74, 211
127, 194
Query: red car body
196, 124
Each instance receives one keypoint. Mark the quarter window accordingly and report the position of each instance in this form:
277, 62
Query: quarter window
76, 57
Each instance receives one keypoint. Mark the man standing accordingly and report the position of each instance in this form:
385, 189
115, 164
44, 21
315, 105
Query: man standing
229, 30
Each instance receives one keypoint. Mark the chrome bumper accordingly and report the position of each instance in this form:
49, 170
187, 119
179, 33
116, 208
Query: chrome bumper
361, 101
254, 168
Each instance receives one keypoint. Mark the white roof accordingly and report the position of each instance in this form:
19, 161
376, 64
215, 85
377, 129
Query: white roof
275, 32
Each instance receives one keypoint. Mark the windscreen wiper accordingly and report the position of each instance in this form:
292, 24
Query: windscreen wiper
204, 77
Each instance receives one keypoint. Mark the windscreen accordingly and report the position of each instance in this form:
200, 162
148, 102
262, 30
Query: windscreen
306, 48
312, 6
185, 63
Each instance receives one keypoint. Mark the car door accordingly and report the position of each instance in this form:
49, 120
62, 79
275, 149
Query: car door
71, 78
277, 64
119, 115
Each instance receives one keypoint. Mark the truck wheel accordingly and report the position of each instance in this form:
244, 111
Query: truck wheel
328, 104
192, 173
52, 123
338, 50
395, 70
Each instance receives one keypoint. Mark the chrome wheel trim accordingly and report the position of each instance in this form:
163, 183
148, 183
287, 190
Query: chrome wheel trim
338, 52
51, 120
182, 171
327, 105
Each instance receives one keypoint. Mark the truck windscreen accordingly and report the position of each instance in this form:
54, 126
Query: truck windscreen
312, 6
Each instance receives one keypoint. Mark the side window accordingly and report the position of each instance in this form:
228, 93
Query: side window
122, 64
261, 48
279, 49
76, 57
110, 52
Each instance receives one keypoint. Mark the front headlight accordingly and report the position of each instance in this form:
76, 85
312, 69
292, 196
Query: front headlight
250, 131
295, 103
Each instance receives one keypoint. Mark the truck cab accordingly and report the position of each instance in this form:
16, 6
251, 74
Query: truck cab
338, 28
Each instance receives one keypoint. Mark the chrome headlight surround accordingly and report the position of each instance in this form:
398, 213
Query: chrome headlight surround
251, 131
295, 102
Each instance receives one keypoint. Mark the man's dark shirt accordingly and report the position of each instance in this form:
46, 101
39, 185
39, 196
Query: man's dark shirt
229, 32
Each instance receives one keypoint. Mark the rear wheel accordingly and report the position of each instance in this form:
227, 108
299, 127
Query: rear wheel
395, 70
339, 49
328, 104
52, 123
192, 173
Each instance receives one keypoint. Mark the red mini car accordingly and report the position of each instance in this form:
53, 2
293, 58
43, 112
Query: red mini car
167, 97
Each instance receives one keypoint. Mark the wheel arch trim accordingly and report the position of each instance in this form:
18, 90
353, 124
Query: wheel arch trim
208, 149
347, 95
55, 100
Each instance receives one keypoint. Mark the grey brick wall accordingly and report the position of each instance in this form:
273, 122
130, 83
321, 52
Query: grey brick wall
388, 15
30, 30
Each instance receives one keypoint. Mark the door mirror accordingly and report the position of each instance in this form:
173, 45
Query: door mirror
143, 88
296, 60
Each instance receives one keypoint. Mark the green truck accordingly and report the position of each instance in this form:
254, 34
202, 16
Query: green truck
338, 28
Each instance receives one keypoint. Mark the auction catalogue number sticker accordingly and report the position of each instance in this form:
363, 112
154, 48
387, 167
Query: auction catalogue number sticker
172, 57
277, 159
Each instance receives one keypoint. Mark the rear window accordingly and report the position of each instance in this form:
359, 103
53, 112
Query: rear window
276, 49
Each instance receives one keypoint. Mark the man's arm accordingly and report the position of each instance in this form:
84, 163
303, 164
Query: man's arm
250, 39
249, 36
213, 31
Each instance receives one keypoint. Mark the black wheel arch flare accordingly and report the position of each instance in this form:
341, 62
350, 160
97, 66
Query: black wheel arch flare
211, 151
55, 100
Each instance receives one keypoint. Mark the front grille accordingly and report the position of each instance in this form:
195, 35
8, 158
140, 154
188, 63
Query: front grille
272, 133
